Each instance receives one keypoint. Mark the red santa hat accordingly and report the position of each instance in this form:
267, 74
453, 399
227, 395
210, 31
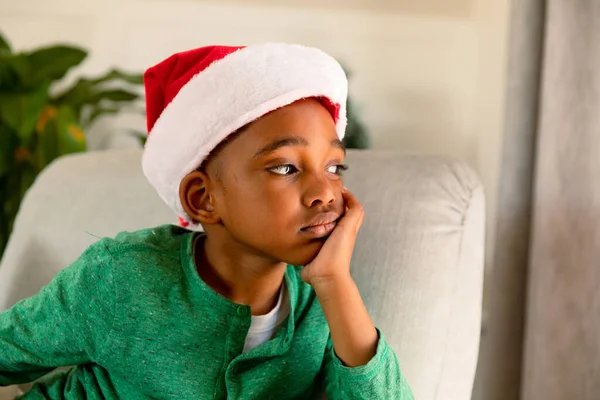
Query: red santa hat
195, 99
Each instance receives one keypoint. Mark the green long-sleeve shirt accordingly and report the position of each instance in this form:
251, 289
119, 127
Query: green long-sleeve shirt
137, 321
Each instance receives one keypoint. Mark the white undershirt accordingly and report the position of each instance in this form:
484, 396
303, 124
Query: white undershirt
263, 327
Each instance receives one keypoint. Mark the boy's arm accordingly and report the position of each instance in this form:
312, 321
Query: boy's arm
380, 378
360, 364
353, 334
66, 323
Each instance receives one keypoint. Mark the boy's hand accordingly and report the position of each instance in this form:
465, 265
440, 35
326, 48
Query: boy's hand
333, 261
353, 334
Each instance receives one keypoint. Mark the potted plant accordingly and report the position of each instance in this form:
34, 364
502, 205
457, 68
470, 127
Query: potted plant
39, 124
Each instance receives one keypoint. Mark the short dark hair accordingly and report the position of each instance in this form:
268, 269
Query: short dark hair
218, 149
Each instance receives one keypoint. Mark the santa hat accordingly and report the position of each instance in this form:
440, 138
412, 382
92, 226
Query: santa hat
195, 99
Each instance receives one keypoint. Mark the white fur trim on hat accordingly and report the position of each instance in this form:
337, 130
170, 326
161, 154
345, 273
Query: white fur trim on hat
228, 94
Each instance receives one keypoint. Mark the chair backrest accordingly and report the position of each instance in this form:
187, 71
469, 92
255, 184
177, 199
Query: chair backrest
418, 260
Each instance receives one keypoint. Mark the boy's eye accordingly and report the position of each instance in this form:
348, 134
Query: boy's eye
337, 169
286, 169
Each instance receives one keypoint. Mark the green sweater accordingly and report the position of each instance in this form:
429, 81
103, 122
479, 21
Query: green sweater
137, 322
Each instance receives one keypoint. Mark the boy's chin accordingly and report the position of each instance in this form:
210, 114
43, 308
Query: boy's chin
304, 255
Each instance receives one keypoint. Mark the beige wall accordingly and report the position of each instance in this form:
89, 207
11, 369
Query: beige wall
437, 8
428, 76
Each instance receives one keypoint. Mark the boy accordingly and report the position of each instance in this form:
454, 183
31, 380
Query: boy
246, 144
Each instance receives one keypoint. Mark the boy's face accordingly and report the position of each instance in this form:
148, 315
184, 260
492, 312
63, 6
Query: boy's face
276, 187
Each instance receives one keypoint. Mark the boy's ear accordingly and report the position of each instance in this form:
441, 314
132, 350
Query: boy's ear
195, 198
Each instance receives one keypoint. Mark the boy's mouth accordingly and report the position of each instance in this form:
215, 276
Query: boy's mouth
321, 226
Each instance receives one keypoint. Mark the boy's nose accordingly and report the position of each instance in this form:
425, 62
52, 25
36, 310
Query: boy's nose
318, 191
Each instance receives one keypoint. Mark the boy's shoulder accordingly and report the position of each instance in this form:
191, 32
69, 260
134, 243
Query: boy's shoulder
137, 256
160, 239
157, 248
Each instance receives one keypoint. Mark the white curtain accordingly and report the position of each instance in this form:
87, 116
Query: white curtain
562, 337
543, 338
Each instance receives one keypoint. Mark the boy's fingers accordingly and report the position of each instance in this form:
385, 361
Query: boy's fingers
354, 213
349, 198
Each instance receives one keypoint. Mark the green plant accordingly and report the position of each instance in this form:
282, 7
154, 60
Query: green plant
356, 136
39, 124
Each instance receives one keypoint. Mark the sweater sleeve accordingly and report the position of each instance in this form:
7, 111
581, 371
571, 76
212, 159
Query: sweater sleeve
380, 378
65, 324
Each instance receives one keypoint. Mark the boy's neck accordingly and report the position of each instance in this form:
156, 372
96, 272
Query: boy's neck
237, 275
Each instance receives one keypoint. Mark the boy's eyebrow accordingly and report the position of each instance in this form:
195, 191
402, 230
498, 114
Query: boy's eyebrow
339, 144
293, 141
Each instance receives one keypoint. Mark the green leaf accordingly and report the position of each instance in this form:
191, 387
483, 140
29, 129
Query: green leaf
142, 136
3, 218
8, 143
27, 177
62, 135
52, 63
11, 197
47, 143
4, 45
71, 138
356, 133
98, 112
85, 93
118, 95
85, 89
14, 70
76, 95
20, 111
115, 74
357, 139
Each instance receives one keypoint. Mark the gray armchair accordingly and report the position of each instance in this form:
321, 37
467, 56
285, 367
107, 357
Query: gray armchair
418, 260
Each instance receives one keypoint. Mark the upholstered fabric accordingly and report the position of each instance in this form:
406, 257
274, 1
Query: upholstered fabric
418, 260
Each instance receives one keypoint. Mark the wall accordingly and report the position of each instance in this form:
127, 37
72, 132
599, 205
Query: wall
428, 76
